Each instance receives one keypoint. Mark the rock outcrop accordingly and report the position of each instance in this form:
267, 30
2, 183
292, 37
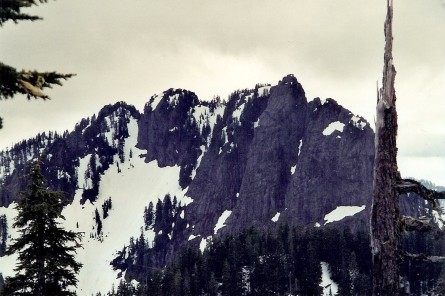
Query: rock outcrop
265, 156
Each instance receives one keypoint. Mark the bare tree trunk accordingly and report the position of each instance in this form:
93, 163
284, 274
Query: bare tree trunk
385, 236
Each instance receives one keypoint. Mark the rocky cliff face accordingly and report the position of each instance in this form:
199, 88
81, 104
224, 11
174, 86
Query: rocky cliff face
263, 157
334, 166
170, 133
265, 151
286, 158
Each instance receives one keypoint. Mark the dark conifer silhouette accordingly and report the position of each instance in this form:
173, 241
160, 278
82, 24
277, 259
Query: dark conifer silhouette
46, 252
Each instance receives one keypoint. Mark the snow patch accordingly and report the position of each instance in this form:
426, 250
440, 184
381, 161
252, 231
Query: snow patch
276, 217
204, 118
4, 170
341, 212
221, 220
358, 122
264, 90
63, 175
191, 237
333, 126
198, 162
238, 111
82, 180
186, 200
108, 135
173, 100
299, 146
224, 133
317, 225
7, 263
328, 285
156, 99
292, 169
204, 242
439, 219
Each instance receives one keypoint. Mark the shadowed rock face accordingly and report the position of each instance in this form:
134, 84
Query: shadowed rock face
335, 165
273, 150
265, 151
169, 133
290, 163
166, 130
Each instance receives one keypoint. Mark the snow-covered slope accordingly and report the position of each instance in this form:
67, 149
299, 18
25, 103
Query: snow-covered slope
263, 158
131, 186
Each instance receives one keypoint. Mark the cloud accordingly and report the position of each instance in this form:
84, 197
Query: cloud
129, 50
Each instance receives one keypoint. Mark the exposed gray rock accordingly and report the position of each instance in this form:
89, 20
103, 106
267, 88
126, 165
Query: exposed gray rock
167, 130
271, 155
219, 177
264, 151
335, 165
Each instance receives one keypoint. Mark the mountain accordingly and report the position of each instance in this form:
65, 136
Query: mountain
264, 157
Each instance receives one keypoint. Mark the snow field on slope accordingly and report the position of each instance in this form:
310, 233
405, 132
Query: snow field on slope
239, 110
332, 127
221, 220
204, 242
3, 170
341, 212
7, 263
276, 217
131, 190
327, 283
358, 122
203, 115
156, 100
264, 90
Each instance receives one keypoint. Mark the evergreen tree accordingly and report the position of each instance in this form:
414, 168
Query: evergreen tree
106, 207
98, 222
213, 285
2, 282
226, 279
46, 264
158, 215
30, 83
148, 215
3, 234
10, 10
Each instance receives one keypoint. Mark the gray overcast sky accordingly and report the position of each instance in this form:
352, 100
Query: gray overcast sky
130, 50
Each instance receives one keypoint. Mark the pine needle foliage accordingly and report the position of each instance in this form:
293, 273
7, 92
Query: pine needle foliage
11, 10
46, 252
29, 83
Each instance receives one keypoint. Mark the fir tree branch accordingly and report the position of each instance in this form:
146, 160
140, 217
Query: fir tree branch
11, 10
29, 83
409, 223
413, 186
422, 257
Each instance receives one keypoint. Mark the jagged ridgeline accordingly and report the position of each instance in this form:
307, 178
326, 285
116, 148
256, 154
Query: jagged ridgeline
143, 186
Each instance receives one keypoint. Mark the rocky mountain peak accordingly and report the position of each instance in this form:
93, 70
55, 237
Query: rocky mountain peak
289, 79
265, 157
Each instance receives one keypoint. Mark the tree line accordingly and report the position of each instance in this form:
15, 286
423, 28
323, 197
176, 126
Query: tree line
284, 261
